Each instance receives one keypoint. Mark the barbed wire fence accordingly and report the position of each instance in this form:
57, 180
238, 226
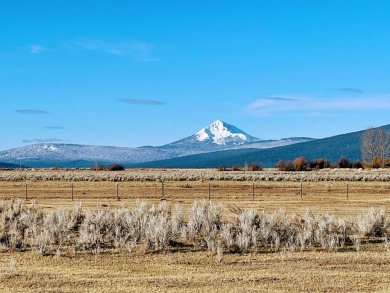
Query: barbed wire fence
212, 190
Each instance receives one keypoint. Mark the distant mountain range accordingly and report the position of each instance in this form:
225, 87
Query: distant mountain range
218, 136
331, 148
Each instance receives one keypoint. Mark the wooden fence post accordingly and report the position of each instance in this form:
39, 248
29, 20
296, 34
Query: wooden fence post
301, 191
253, 191
117, 191
72, 191
347, 192
26, 191
162, 189
209, 190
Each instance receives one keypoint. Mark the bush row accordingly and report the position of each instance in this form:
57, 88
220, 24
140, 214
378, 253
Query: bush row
302, 164
152, 228
193, 175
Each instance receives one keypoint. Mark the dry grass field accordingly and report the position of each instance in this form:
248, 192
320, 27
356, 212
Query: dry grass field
320, 197
195, 269
366, 271
324, 191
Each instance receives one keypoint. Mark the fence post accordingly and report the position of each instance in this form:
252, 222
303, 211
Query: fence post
301, 191
72, 191
26, 191
209, 190
347, 192
117, 191
162, 189
253, 191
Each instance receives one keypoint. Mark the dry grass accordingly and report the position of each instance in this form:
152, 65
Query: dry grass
196, 269
198, 272
320, 197
154, 175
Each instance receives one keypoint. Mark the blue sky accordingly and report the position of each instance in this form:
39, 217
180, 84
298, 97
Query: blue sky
132, 73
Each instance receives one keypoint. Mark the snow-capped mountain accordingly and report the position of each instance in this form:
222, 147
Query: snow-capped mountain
215, 137
221, 133
218, 136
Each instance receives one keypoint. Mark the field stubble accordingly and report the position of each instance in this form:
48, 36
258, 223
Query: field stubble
198, 272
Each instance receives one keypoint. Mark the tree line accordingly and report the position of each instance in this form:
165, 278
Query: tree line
375, 153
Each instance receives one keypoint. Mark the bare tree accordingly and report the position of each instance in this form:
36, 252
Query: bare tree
375, 144
369, 145
383, 145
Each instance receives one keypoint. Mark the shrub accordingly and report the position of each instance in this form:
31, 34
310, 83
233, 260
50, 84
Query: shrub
343, 163
319, 164
256, 167
357, 164
285, 166
222, 168
99, 167
367, 165
116, 167
300, 164
289, 166
280, 165
235, 167
387, 162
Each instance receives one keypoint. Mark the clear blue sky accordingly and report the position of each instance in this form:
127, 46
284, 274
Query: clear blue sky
132, 73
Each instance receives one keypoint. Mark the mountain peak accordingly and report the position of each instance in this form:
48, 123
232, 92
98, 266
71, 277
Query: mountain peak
222, 133
218, 122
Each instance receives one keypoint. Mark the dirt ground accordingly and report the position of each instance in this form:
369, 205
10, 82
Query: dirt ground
312, 271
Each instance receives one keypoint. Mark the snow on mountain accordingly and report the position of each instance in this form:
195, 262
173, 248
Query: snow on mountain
218, 136
222, 133
51, 154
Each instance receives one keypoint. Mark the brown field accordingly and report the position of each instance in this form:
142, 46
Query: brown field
189, 270
313, 271
237, 188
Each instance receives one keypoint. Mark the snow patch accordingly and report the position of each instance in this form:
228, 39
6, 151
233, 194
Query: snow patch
50, 148
202, 135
